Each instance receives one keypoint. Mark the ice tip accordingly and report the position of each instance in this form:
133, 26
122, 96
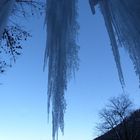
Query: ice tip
92, 4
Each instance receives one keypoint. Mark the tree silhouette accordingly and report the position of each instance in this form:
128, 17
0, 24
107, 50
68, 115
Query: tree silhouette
14, 33
116, 112
118, 120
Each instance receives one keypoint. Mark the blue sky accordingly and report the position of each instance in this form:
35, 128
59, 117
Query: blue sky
23, 104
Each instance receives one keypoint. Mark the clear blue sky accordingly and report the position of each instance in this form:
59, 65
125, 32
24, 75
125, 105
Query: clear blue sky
23, 104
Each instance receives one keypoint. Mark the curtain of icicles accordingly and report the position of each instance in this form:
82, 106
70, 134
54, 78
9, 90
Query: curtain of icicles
61, 55
122, 19
5, 10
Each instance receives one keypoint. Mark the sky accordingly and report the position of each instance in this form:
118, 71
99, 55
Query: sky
23, 98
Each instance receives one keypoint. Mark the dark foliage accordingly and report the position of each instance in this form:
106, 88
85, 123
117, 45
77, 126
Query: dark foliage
11, 45
15, 34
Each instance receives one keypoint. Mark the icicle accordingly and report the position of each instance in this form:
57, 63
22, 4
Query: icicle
108, 22
124, 15
122, 18
61, 55
92, 4
5, 10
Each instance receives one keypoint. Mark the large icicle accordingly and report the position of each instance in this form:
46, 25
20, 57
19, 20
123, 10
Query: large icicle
125, 16
61, 55
126, 22
108, 22
5, 10
122, 18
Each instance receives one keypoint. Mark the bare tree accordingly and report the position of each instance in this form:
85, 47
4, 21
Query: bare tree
14, 33
117, 118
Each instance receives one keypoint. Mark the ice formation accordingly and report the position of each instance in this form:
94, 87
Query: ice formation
122, 19
108, 22
60, 55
